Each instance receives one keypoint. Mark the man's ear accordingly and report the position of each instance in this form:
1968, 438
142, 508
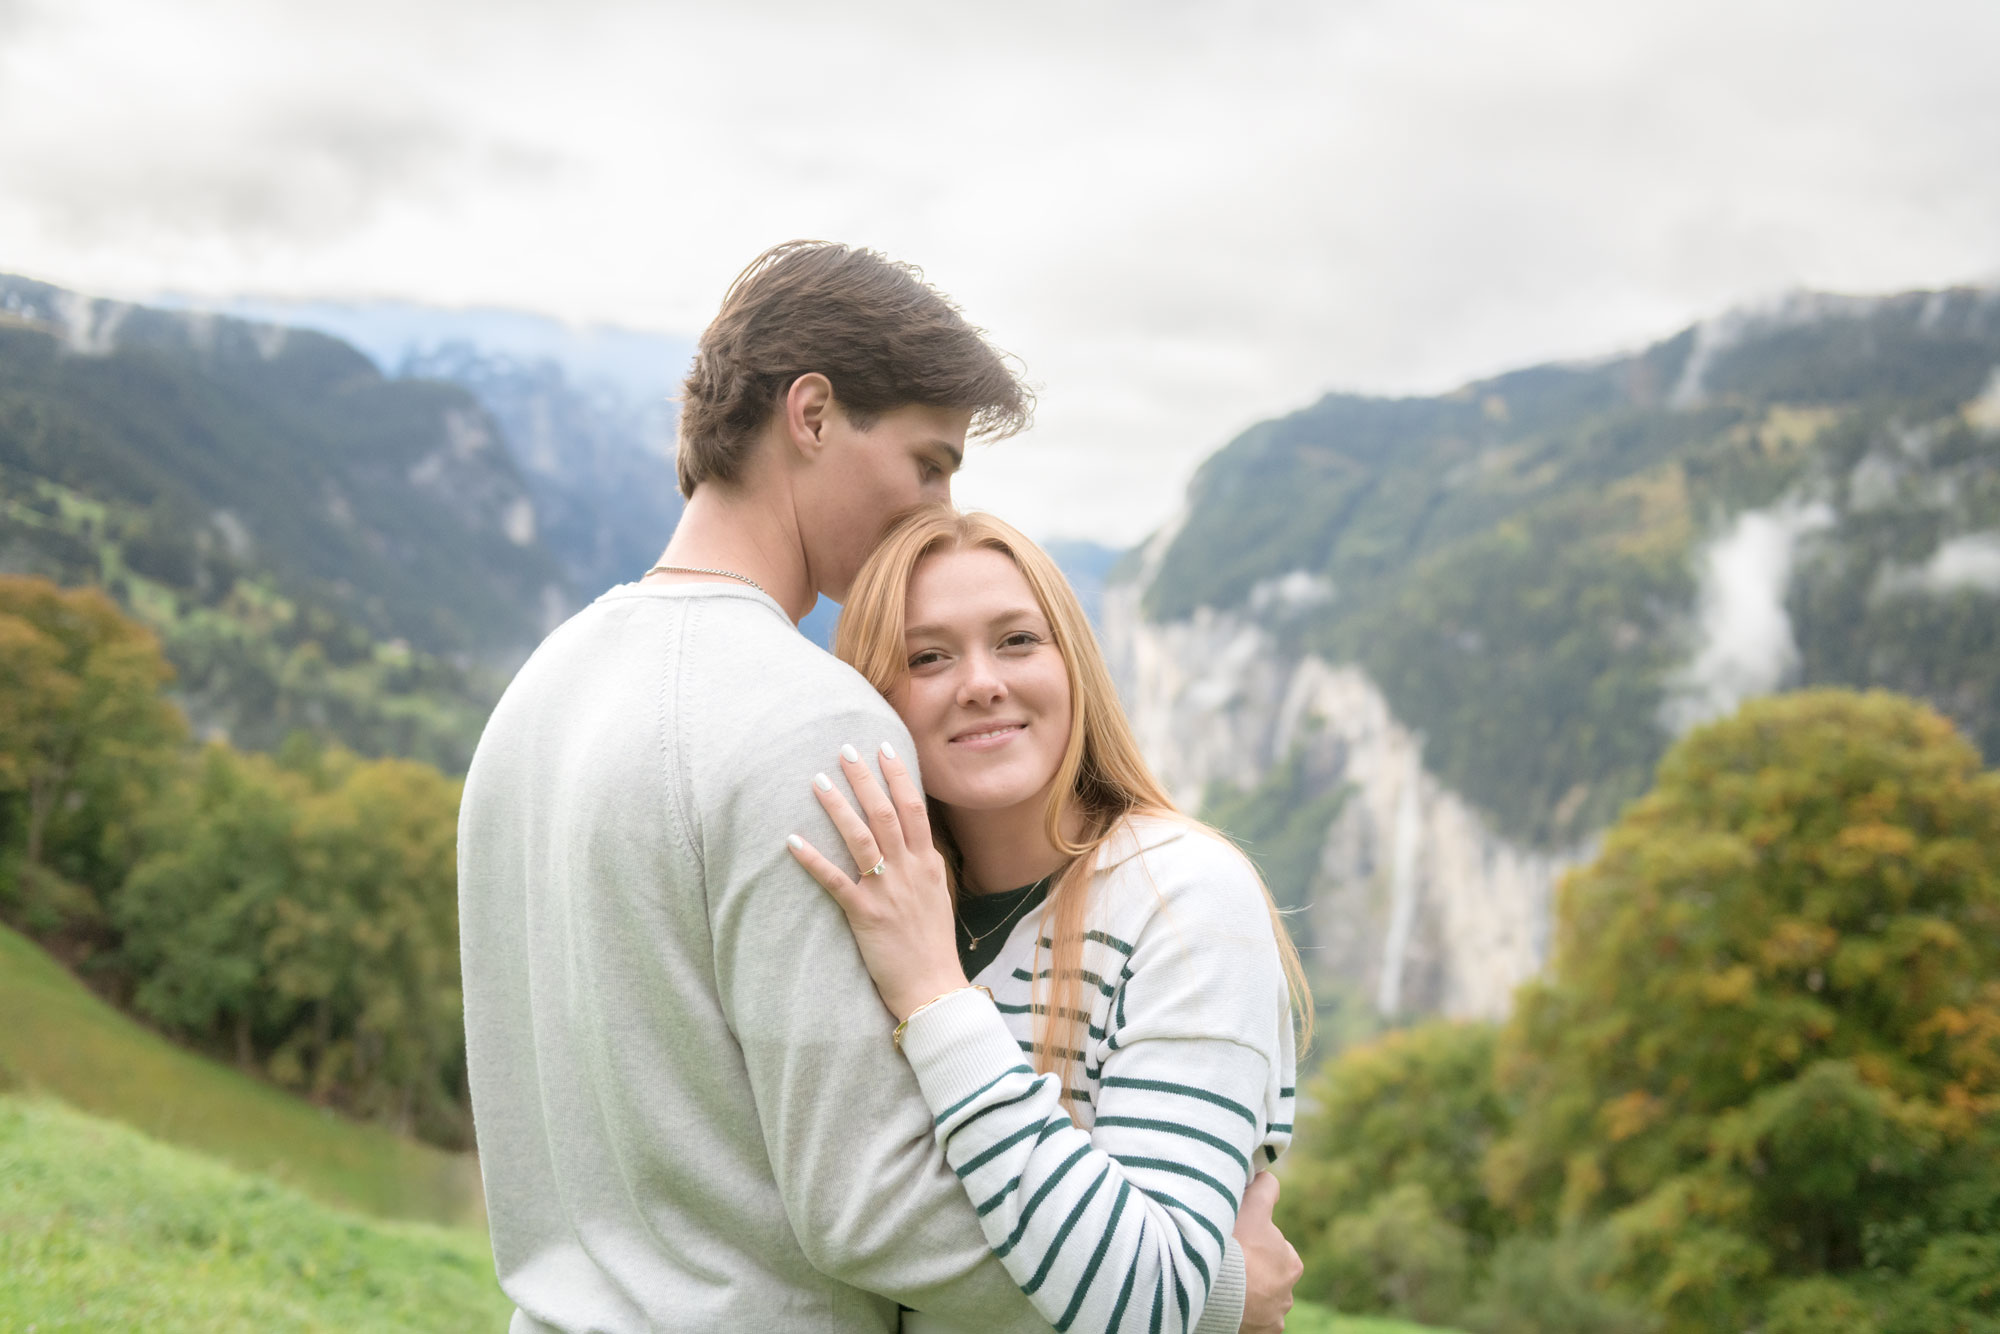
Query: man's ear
807, 408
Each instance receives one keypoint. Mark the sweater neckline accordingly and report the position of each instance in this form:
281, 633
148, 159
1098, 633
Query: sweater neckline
994, 918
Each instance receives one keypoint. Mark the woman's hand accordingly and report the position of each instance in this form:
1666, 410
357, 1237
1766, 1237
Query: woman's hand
902, 915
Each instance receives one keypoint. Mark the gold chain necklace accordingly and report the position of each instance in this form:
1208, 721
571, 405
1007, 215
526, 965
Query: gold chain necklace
703, 569
1027, 897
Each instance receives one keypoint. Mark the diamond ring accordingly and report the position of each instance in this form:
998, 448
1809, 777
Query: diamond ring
876, 869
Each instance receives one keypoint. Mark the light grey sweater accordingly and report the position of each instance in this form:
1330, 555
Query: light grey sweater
690, 1115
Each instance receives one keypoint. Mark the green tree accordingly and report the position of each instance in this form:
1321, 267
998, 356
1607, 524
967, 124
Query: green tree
1769, 1053
195, 912
369, 947
304, 913
1382, 1193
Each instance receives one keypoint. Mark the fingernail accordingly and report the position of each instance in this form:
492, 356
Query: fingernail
822, 782
888, 751
794, 842
850, 754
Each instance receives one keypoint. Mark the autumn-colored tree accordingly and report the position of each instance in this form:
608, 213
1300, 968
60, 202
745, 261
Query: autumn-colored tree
1767, 1063
84, 735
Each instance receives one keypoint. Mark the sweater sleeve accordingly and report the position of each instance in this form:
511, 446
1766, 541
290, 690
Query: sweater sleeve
870, 1199
1125, 1227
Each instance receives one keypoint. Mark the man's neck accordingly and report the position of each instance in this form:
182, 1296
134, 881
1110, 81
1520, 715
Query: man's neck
1009, 848
742, 531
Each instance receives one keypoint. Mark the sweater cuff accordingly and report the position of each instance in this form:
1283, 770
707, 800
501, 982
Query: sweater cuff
1224, 1312
958, 1046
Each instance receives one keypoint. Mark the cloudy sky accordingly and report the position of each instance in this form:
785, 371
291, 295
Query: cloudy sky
1182, 217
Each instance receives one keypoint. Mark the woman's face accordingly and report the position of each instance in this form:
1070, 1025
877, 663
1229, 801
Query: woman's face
987, 697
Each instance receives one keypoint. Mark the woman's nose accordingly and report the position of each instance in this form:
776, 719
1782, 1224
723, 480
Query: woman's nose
980, 684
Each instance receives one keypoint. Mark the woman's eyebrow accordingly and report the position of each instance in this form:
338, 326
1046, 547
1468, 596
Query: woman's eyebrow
941, 631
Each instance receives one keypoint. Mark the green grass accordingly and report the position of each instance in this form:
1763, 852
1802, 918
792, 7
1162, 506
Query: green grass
56, 1036
102, 1228
1312, 1318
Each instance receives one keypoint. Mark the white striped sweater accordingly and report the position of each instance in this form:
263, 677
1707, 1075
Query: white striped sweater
1115, 1216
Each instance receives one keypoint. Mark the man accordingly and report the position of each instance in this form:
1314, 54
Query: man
690, 1113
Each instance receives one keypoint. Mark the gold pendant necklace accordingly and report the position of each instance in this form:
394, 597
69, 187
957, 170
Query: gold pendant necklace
972, 941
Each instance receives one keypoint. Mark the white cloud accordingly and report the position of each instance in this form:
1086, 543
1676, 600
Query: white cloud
1183, 217
1746, 644
1968, 561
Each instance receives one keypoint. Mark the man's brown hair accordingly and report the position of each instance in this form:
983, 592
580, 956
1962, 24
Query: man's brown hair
874, 328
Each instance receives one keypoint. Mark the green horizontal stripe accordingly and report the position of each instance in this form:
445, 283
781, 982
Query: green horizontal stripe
994, 1151
1179, 1169
1100, 937
1023, 975
1131, 1277
1096, 1258
1016, 1070
1208, 1224
1001, 1251
1030, 1092
1174, 1128
1184, 1090
1062, 1235
993, 1201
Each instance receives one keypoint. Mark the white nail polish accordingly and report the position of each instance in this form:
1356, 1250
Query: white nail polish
888, 751
822, 782
850, 754
794, 842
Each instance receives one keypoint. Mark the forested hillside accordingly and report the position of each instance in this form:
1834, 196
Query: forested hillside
1517, 564
319, 547
1422, 651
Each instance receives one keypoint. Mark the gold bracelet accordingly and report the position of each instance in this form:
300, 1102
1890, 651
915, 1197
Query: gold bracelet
970, 986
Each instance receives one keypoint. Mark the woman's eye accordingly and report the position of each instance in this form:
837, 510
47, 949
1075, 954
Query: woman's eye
925, 659
1020, 639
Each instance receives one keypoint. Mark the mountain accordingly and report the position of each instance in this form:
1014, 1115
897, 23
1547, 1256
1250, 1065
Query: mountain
598, 466
587, 412
318, 545
1420, 651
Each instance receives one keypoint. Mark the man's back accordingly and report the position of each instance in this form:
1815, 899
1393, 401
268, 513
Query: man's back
690, 1116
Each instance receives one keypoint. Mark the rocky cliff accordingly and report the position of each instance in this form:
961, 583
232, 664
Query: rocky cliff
1413, 903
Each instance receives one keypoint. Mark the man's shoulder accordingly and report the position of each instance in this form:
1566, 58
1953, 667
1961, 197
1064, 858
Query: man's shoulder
757, 698
758, 663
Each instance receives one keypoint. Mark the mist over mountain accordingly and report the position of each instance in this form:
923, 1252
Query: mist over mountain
598, 466
1419, 651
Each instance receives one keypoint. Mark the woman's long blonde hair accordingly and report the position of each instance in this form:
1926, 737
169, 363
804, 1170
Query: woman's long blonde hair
1102, 778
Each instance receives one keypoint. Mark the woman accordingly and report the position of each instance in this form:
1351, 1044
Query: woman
1126, 1061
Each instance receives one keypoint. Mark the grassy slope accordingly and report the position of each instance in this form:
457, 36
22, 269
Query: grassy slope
1309, 1318
104, 1229
101, 1228
57, 1036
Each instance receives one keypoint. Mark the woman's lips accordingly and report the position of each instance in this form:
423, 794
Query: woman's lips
989, 738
